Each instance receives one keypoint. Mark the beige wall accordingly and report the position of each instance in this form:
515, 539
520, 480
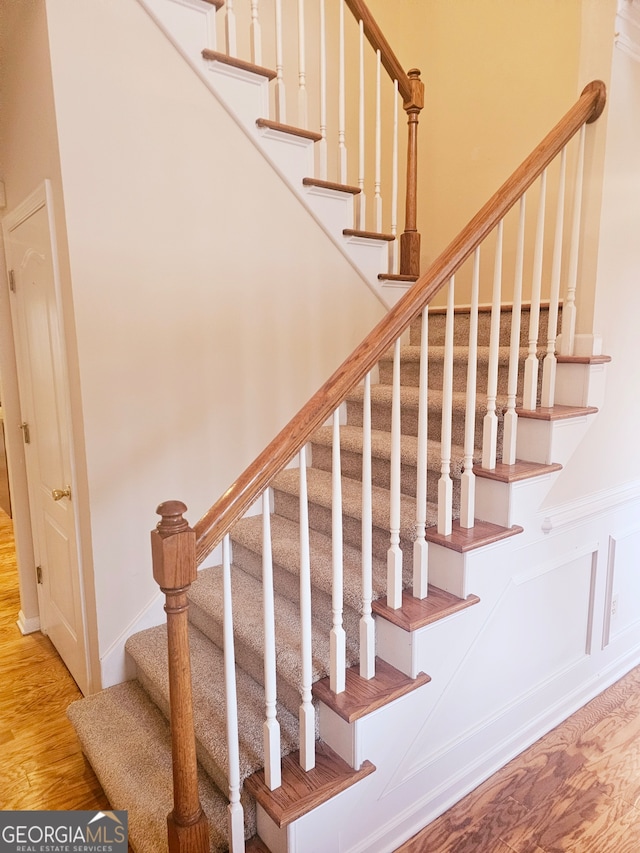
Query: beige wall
498, 75
28, 155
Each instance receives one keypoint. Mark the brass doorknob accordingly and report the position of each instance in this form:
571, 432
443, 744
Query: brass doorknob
58, 494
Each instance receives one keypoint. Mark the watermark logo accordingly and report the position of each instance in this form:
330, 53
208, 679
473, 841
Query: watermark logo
63, 832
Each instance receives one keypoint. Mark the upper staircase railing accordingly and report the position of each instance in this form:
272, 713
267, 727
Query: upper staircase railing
254, 484
327, 82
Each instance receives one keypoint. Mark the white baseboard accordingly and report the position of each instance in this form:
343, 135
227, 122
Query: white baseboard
114, 664
26, 625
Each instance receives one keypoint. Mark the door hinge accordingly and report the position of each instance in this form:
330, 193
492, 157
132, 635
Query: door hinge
24, 426
39, 574
12, 281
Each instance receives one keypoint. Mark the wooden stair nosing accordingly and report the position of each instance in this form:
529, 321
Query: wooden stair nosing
417, 613
368, 235
556, 413
398, 277
464, 539
330, 185
217, 3
362, 696
234, 62
583, 359
302, 132
301, 791
520, 470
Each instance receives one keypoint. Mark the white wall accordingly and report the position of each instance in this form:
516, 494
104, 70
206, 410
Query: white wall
206, 312
608, 458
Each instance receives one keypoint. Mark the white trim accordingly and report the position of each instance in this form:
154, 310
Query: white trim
28, 626
552, 565
115, 666
595, 504
420, 813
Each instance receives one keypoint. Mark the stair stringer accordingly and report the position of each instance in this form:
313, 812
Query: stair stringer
504, 673
190, 25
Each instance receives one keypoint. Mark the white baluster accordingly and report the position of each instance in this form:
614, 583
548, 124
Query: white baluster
367, 624
549, 365
569, 308
235, 811
306, 713
445, 484
530, 391
468, 479
342, 148
302, 69
338, 645
420, 547
394, 262
281, 97
271, 728
322, 145
256, 36
377, 193
510, 428
490, 423
362, 201
230, 27
394, 554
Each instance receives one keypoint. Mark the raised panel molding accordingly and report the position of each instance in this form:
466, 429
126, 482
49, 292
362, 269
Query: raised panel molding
628, 28
622, 590
539, 630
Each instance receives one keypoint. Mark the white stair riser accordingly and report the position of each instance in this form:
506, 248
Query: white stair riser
334, 209
580, 384
507, 503
550, 441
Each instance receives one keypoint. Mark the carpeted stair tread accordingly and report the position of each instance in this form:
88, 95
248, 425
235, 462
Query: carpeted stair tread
207, 595
410, 398
128, 743
351, 440
149, 651
285, 535
411, 353
319, 490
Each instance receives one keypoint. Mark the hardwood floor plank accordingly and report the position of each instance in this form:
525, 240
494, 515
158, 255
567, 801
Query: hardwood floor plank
576, 790
41, 763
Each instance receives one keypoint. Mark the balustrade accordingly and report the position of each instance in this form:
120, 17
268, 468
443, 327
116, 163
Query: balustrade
177, 549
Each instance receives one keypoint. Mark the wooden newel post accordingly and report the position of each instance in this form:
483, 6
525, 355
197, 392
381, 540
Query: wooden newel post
173, 549
410, 239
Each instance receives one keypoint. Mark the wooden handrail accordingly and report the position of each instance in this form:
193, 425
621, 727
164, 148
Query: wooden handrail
411, 89
378, 41
247, 488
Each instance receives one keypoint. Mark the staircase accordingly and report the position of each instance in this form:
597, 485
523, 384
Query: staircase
135, 770
373, 540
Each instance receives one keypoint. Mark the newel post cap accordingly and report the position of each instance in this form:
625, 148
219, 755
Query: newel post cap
173, 547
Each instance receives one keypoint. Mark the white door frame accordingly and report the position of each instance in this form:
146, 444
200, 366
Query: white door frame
41, 197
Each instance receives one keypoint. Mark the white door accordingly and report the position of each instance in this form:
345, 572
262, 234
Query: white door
42, 382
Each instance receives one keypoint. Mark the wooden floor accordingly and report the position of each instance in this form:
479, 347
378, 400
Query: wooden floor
41, 763
577, 789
